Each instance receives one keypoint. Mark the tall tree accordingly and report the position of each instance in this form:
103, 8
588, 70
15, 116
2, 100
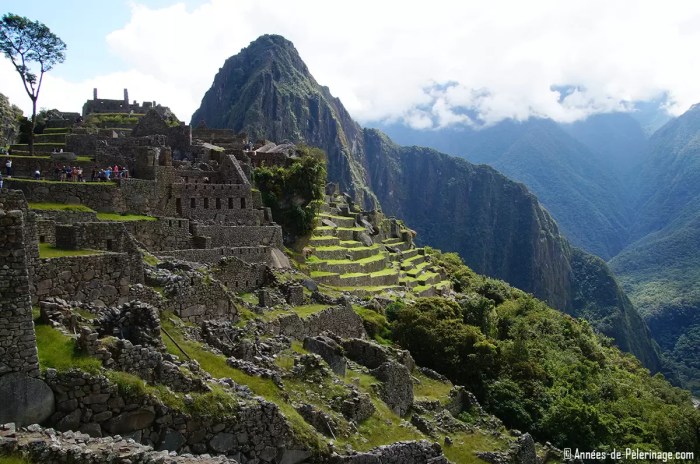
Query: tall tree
33, 49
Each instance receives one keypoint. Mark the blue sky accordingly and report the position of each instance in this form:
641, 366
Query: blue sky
83, 25
388, 60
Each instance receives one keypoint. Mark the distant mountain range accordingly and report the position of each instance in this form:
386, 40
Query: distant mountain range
497, 225
618, 192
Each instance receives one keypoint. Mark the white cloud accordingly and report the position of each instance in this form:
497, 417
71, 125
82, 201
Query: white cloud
384, 59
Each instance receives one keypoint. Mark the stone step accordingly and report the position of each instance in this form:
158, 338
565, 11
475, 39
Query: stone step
348, 233
59, 139
327, 278
347, 266
339, 252
324, 240
369, 280
340, 221
351, 243
324, 231
414, 260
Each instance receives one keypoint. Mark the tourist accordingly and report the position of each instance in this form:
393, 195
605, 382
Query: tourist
125, 172
108, 173
57, 171
8, 167
93, 176
1, 181
37, 175
80, 174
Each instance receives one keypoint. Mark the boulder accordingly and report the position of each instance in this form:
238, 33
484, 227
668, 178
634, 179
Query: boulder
25, 400
364, 238
329, 350
329, 223
279, 260
524, 450
130, 421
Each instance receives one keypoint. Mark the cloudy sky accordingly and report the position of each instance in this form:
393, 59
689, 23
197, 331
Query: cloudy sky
425, 63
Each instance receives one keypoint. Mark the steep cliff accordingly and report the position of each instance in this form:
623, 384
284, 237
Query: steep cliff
494, 223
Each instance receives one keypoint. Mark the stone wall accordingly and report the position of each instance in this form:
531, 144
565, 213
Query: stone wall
47, 445
217, 202
340, 320
104, 277
66, 217
165, 233
249, 254
240, 276
104, 236
100, 196
222, 235
93, 404
18, 351
25, 166
195, 297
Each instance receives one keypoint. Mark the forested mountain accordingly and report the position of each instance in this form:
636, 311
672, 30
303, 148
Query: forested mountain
497, 225
617, 193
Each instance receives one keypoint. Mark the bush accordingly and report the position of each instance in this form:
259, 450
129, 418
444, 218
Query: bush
295, 193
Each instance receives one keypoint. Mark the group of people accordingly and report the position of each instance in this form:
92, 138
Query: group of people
109, 173
75, 173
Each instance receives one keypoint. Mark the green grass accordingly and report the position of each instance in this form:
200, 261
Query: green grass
384, 272
58, 351
251, 298
15, 459
430, 389
47, 250
369, 259
320, 238
43, 206
465, 444
150, 259
302, 311
26, 156
124, 217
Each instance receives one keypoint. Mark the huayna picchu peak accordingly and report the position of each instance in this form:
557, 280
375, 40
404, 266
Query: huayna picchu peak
274, 284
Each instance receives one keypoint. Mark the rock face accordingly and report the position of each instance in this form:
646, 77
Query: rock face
25, 400
397, 386
496, 225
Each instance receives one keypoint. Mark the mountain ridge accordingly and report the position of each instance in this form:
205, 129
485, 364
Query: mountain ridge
370, 166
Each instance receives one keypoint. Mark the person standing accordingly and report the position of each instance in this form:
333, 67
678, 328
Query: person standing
1, 179
8, 167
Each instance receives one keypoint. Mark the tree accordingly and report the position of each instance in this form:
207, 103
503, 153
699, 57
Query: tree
28, 43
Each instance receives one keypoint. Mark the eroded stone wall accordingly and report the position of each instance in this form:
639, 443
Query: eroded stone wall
102, 277
18, 351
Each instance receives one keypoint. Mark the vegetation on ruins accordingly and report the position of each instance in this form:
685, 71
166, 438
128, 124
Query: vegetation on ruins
294, 193
29, 44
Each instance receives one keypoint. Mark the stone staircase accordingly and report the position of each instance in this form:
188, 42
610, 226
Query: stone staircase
350, 256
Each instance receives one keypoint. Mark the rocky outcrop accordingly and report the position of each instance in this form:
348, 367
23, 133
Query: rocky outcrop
410, 452
47, 445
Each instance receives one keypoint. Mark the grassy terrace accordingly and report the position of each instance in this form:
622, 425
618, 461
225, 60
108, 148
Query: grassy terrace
60, 207
124, 217
49, 251
82, 159
301, 311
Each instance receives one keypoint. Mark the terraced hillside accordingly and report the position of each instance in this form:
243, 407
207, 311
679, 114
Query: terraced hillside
349, 253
